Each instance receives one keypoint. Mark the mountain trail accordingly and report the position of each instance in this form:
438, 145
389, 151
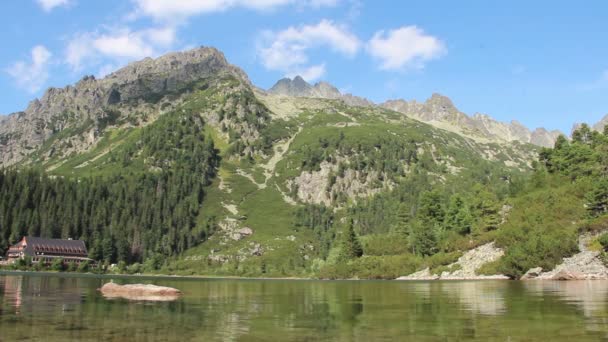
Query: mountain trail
279, 151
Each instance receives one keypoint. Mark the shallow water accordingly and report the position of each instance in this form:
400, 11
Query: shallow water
69, 307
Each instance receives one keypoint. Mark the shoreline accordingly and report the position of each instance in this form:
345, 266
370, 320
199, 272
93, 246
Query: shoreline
207, 277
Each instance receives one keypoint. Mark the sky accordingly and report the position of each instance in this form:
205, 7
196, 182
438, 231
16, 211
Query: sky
542, 63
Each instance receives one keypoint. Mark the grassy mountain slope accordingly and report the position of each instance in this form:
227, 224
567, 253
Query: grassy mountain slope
253, 184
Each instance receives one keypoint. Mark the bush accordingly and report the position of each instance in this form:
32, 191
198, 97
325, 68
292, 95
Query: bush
371, 267
603, 240
121, 267
134, 269
58, 265
441, 259
84, 267
541, 230
384, 244
596, 225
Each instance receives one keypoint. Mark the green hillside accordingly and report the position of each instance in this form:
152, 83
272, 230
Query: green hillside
229, 181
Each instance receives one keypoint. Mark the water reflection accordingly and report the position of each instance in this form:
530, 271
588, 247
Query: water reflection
590, 296
58, 308
480, 297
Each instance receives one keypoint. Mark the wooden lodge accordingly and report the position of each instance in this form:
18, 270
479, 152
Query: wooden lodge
47, 250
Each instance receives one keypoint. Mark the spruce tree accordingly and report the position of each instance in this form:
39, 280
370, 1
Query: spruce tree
351, 247
597, 198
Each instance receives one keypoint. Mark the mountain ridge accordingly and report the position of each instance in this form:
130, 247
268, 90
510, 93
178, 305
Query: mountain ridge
438, 110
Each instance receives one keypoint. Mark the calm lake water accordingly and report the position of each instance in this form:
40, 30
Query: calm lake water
68, 307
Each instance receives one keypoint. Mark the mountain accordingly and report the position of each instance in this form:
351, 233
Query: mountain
298, 87
179, 165
601, 124
135, 93
439, 110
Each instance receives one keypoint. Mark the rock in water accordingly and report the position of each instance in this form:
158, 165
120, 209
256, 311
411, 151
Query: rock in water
569, 275
140, 292
532, 273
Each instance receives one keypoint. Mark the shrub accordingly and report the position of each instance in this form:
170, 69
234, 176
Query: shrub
58, 265
84, 267
603, 240
384, 244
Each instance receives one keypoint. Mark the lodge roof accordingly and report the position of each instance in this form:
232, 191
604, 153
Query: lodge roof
54, 246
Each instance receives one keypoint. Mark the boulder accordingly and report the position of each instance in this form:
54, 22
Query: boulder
245, 231
532, 273
146, 292
568, 275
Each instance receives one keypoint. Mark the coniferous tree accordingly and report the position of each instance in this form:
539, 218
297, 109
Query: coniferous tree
458, 216
351, 247
597, 198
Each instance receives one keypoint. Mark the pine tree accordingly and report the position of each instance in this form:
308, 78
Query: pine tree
423, 240
404, 218
597, 198
458, 216
351, 247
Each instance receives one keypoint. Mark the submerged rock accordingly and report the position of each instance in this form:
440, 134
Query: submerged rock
532, 273
569, 275
140, 292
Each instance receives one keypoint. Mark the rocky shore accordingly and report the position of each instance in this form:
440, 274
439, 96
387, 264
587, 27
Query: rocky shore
465, 267
585, 265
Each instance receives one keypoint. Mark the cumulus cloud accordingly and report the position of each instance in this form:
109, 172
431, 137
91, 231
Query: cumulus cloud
118, 45
405, 47
172, 10
49, 5
32, 75
288, 50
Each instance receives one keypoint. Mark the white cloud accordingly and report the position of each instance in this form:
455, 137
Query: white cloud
118, 45
123, 45
309, 74
176, 10
49, 5
32, 75
287, 50
405, 47
323, 3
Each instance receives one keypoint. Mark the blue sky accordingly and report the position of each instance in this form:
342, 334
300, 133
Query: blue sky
543, 63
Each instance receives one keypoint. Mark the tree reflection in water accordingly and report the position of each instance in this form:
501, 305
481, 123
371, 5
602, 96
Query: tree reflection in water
58, 307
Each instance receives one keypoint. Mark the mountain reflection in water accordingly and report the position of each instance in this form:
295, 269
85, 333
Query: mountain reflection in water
66, 307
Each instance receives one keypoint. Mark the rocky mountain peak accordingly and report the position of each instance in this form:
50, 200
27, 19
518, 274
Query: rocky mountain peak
137, 87
440, 101
327, 90
298, 87
440, 110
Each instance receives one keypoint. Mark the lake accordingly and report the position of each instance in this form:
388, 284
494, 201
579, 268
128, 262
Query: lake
60, 307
